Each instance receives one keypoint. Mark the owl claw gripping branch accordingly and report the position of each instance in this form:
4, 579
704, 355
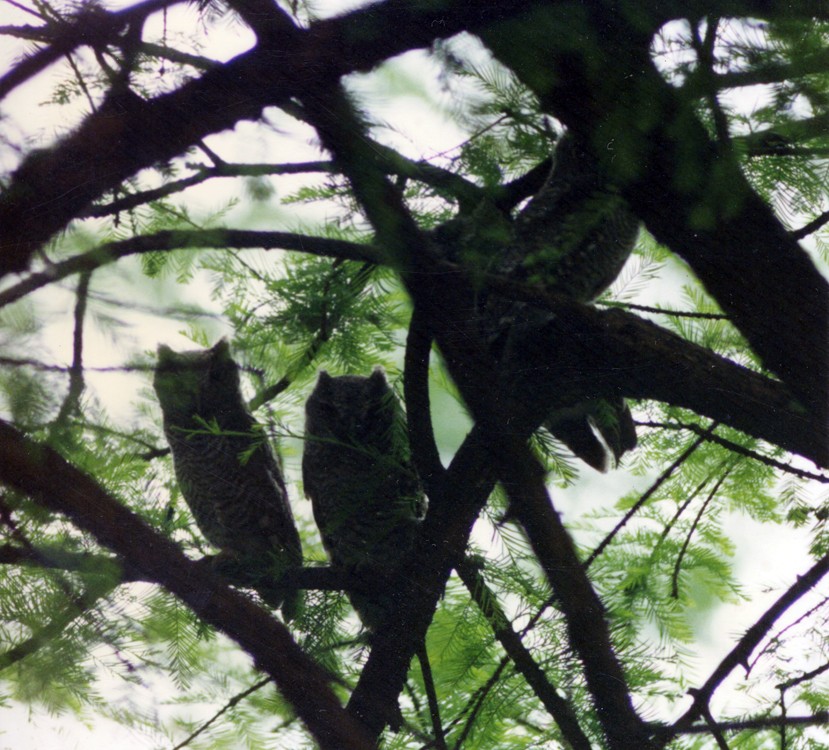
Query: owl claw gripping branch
227, 471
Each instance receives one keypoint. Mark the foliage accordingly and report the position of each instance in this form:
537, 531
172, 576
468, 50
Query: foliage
662, 541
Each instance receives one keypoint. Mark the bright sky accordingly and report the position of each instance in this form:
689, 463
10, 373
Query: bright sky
419, 129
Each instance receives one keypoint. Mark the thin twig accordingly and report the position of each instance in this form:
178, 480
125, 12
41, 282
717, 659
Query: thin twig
663, 311
805, 677
109, 252
561, 711
779, 635
681, 556
741, 652
763, 722
234, 701
71, 402
737, 448
663, 477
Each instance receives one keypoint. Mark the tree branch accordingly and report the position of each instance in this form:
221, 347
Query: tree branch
202, 174
740, 654
711, 216
183, 239
544, 690
41, 473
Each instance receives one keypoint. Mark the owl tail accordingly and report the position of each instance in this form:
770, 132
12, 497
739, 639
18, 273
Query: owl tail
290, 602
577, 428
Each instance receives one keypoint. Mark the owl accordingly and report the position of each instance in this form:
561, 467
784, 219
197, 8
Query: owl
365, 494
227, 472
572, 238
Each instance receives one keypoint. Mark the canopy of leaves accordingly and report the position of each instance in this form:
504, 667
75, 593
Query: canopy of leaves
293, 178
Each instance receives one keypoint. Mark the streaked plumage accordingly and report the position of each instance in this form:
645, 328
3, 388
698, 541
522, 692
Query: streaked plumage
227, 471
365, 494
573, 237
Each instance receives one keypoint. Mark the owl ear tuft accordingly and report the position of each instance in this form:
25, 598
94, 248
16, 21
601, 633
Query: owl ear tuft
221, 349
377, 381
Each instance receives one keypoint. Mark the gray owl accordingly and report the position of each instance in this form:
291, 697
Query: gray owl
365, 494
226, 470
572, 238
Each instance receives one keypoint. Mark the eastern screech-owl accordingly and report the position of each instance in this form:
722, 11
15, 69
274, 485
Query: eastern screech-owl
365, 494
227, 472
572, 238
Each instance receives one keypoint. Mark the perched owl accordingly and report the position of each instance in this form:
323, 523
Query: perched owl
572, 238
364, 491
226, 470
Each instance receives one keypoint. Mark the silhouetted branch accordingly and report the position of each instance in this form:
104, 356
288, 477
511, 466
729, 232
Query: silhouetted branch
739, 449
681, 555
741, 652
71, 403
805, 677
202, 174
39, 472
109, 252
647, 495
544, 690
662, 311
234, 701
91, 26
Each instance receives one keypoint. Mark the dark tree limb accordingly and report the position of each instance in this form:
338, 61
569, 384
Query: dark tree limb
91, 26
180, 239
448, 301
763, 722
761, 278
127, 133
561, 711
41, 473
201, 174
584, 613
427, 461
742, 651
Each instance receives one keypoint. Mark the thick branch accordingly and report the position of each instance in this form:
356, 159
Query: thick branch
588, 352
692, 197
41, 473
91, 26
127, 133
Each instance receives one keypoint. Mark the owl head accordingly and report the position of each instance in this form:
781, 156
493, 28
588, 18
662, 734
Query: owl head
351, 408
195, 382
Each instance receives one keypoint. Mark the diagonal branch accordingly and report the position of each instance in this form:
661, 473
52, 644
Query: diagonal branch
691, 195
741, 652
41, 473
545, 691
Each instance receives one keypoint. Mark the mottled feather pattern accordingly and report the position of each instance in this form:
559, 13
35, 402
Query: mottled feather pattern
365, 494
573, 237
226, 470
